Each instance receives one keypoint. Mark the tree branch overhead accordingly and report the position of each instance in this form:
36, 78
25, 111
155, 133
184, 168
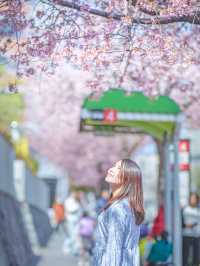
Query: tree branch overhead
153, 18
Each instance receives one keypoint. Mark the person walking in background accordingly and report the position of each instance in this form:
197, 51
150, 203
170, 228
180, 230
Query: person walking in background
102, 200
191, 232
90, 205
144, 242
59, 213
86, 229
146, 248
73, 213
118, 226
159, 222
160, 251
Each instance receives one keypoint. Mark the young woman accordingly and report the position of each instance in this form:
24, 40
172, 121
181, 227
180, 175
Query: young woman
118, 227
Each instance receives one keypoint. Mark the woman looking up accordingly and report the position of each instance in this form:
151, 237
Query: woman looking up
118, 227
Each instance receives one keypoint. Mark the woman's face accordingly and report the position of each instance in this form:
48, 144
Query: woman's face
112, 176
193, 200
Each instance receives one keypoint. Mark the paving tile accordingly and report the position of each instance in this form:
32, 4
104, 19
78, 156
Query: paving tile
52, 255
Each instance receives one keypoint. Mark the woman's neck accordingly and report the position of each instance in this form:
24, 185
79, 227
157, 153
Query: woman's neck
116, 192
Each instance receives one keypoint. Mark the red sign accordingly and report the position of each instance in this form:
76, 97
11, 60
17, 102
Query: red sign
110, 115
184, 155
184, 145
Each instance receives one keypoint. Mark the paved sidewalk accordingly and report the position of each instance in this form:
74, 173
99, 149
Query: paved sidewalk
52, 255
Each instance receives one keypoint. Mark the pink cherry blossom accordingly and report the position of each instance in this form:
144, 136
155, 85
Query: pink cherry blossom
148, 46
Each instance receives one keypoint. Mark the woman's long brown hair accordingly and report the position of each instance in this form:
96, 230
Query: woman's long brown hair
131, 187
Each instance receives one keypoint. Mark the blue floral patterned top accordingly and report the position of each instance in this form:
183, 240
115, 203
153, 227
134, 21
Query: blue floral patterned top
116, 236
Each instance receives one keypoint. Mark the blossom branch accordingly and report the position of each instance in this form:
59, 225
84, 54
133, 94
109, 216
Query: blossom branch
193, 17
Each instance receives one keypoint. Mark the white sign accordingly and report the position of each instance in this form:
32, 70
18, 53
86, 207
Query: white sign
184, 181
19, 174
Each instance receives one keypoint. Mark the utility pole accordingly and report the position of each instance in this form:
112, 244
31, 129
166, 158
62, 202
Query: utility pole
177, 222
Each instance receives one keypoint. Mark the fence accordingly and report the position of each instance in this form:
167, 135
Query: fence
7, 157
36, 191
15, 243
37, 195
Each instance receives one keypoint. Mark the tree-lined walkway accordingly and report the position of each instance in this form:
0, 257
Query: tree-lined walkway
52, 255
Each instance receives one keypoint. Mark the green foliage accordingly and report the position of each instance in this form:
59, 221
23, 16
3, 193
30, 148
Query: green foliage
2, 70
11, 109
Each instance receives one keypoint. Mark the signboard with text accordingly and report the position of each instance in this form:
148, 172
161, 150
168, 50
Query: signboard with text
110, 115
184, 168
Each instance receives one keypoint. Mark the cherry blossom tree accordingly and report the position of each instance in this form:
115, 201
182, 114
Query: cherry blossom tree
146, 45
95, 34
56, 114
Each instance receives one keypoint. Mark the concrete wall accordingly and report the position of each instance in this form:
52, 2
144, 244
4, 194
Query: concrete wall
6, 167
42, 225
36, 192
37, 195
3, 256
15, 247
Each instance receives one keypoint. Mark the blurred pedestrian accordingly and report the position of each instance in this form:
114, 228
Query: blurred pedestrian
144, 230
146, 249
73, 213
191, 231
90, 203
86, 229
102, 200
160, 251
118, 228
159, 222
59, 213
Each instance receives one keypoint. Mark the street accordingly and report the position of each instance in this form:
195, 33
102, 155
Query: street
52, 255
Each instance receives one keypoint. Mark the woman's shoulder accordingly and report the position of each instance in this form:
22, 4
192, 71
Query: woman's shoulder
120, 208
120, 211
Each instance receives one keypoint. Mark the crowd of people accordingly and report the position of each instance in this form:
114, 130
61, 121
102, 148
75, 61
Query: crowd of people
155, 247
76, 218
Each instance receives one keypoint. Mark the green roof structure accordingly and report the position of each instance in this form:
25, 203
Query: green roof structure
117, 111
